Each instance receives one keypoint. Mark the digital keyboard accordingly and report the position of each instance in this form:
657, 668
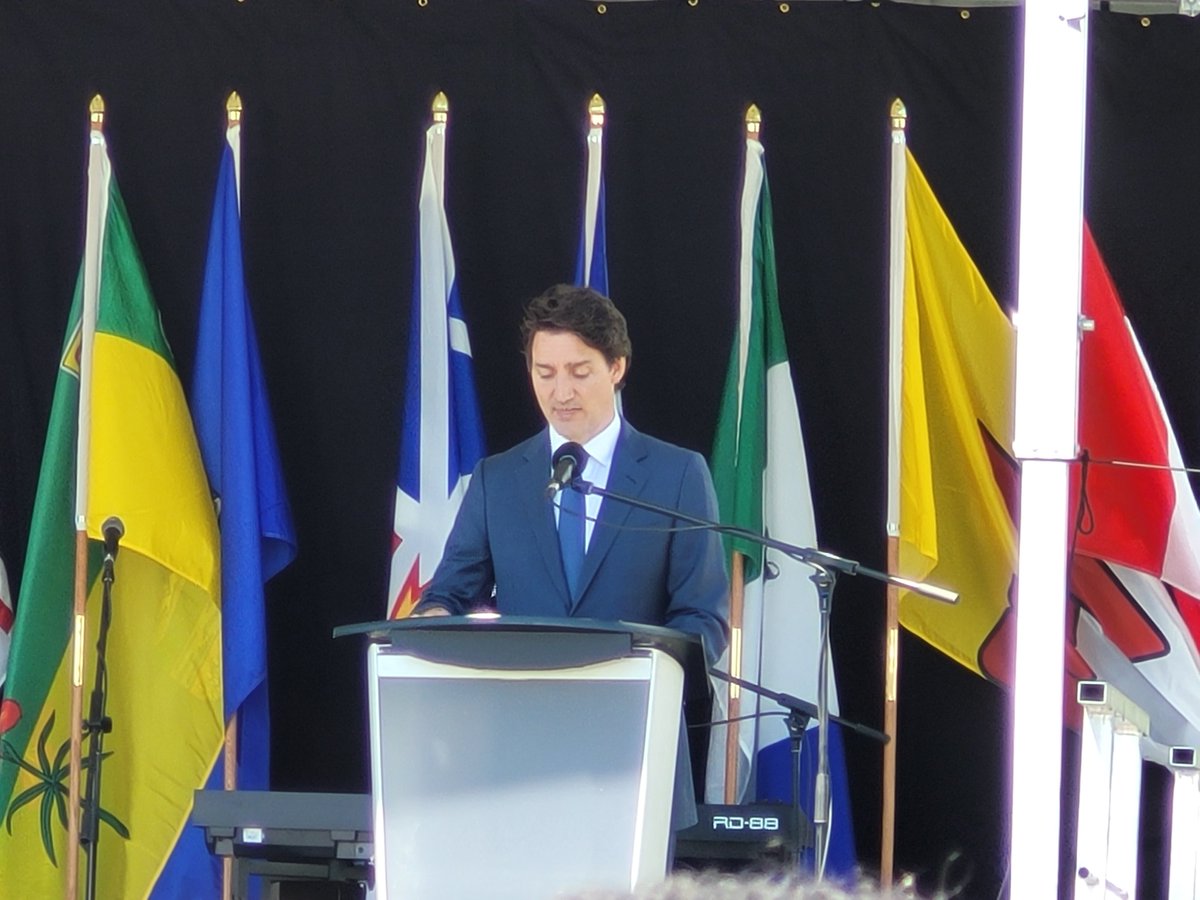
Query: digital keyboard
741, 832
285, 836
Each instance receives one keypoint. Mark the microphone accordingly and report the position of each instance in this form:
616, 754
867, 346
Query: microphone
113, 530
568, 462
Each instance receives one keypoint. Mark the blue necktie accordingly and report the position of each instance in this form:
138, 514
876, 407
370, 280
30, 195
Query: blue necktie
570, 536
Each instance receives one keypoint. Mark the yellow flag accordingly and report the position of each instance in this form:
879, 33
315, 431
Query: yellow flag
164, 644
956, 528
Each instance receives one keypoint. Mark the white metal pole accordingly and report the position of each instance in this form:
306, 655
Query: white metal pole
1185, 825
1047, 377
1125, 811
1091, 830
1110, 790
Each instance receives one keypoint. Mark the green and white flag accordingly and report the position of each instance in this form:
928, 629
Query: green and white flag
760, 472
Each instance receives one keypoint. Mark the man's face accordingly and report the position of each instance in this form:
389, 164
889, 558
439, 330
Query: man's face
573, 383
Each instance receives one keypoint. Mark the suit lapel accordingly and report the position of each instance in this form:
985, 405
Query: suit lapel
531, 478
628, 476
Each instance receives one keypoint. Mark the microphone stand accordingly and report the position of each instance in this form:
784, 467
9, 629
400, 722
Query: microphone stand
826, 568
97, 725
800, 712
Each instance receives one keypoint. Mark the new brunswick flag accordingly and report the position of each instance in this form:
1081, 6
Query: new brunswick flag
141, 463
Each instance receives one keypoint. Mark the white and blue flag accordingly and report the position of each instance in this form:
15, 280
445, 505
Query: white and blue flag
442, 436
591, 262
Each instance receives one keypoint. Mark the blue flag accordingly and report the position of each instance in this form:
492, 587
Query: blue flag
241, 457
591, 261
442, 436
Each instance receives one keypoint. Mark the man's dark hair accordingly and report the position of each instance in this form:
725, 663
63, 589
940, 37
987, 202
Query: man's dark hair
583, 312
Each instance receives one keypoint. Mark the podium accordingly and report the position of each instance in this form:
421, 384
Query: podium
520, 757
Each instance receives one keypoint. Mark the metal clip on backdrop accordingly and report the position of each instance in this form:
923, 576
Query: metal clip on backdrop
826, 566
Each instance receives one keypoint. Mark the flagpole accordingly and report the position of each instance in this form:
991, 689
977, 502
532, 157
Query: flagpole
737, 596
737, 593
97, 211
76, 764
891, 674
591, 199
233, 136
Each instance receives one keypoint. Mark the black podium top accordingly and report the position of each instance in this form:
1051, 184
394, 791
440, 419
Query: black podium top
526, 642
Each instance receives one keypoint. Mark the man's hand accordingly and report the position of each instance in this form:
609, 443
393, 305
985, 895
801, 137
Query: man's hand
430, 612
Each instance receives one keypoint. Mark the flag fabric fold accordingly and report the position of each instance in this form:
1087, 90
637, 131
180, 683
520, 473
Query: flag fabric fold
1133, 617
760, 472
241, 456
6, 620
164, 651
442, 436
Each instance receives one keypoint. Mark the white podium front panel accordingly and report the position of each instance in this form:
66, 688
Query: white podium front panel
522, 784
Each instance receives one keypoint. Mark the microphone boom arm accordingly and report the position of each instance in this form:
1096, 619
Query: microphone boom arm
818, 559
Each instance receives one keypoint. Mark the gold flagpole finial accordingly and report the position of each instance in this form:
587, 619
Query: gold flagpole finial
96, 111
441, 108
233, 109
899, 115
596, 111
753, 122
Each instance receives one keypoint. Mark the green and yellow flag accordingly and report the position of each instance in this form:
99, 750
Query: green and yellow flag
956, 526
140, 463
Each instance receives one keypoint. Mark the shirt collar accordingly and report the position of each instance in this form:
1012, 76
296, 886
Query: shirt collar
600, 448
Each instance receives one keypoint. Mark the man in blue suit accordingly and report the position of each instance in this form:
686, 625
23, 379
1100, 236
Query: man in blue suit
509, 547
634, 568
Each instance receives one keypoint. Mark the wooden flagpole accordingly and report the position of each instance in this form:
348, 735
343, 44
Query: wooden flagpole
78, 636
737, 595
97, 208
896, 264
890, 681
233, 135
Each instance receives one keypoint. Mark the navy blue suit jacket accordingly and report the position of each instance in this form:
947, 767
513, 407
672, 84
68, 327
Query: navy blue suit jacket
505, 538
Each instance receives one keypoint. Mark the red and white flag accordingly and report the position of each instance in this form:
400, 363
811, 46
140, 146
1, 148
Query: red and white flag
1136, 567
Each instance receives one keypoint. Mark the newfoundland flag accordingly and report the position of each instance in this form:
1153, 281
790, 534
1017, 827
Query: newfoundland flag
442, 436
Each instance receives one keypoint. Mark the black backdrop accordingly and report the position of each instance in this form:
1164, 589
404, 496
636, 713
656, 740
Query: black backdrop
337, 97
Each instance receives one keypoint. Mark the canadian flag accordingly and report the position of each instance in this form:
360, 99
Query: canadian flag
1136, 564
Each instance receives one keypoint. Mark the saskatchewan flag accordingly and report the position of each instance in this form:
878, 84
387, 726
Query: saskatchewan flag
760, 472
164, 646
